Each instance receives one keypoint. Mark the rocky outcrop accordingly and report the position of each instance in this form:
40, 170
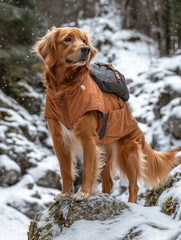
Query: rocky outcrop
171, 207
49, 176
169, 92
173, 126
152, 196
171, 122
10, 172
167, 196
27, 207
50, 223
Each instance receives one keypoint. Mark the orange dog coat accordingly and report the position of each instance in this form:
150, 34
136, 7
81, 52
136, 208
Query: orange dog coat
70, 106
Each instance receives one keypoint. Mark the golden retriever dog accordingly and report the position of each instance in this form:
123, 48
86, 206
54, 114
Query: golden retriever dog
67, 53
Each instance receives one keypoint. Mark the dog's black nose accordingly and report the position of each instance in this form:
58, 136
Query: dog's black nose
85, 50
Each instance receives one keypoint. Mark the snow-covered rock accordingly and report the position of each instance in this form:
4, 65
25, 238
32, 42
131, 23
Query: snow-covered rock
50, 223
10, 171
103, 218
47, 173
173, 124
26, 197
168, 197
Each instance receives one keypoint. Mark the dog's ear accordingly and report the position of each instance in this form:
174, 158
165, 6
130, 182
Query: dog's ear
89, 43
46, 47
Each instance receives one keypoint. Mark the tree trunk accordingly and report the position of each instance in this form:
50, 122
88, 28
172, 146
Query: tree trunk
167, 23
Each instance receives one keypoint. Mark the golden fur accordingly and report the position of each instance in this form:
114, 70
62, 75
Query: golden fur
61, 51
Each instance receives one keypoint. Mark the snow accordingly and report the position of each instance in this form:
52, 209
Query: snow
166, 110
174, 82
137, 61
14, 117
174, 192
48, 164
6, 162
149, 221
176, 111
13, 225
16, 107
65, 211
30, 92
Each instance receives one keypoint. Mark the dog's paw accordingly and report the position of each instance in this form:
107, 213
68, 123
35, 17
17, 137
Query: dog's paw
80, 196
62, 196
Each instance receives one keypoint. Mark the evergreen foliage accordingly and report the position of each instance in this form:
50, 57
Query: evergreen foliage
20, 24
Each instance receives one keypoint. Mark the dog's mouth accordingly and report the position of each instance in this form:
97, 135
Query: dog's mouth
80, 61
68, 61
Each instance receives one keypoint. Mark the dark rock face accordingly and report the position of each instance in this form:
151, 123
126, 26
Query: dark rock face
65, 213
173, 125
100, 207
166, 95
28, 208
10, 172
8, 178
49, 179
164, 98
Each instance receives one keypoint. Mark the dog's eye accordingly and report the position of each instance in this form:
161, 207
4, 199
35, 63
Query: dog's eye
84, 41
68, 39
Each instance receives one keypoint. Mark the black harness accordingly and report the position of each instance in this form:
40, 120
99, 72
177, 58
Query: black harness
109, 80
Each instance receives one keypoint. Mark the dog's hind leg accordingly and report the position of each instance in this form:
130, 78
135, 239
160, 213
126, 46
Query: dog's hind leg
128, 162
64, 156
107, 182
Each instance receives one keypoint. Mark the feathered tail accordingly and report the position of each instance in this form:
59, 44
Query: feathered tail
158, 165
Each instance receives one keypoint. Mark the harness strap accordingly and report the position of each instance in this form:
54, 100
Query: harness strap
104, 125
115, 72
110, 66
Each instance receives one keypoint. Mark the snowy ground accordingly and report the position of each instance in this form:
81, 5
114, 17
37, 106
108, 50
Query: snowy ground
137, 61
152, 225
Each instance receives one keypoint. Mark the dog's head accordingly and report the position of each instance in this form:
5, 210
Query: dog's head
67, 46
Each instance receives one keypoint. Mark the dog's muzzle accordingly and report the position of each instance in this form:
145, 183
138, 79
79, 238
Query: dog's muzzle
85, 50
84, 54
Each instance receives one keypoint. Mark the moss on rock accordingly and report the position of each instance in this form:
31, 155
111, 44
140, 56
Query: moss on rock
134, 233
151, 198
33, 229
65, 213
169, 207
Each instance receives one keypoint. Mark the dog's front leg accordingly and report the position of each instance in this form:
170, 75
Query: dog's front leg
65, 159
85, 130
